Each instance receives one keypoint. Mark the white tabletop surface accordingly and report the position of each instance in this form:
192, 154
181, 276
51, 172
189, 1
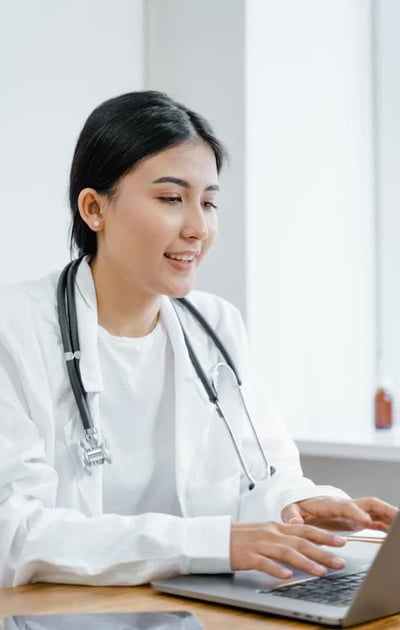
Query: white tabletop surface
369, 443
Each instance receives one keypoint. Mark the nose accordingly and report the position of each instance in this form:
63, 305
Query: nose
196, 223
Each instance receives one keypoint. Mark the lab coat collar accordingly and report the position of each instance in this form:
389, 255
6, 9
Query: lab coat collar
86, 309
169, 316
184, 368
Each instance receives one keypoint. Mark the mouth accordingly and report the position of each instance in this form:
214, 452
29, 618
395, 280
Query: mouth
184, 262
184, 258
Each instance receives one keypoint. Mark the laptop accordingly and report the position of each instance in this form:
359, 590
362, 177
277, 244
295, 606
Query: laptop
366, 589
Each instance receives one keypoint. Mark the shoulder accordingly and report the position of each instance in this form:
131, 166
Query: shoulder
216, 310
223, 317
22, 303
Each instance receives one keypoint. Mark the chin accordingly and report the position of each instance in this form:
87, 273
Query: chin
179, 292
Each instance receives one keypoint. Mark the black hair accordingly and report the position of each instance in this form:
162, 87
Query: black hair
117, 135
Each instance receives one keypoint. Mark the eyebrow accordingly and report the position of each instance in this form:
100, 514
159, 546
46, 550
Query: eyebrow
180, 182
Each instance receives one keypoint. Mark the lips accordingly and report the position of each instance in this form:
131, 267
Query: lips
182, 257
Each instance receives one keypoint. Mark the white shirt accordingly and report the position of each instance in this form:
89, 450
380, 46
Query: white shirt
137, 416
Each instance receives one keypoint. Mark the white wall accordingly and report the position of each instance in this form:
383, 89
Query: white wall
58, 60
387, 82
357, 477
287, 86
195, 52
310, 215
292, 96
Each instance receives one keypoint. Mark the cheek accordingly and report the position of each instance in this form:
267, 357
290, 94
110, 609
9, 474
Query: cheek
208, 243
142, 228
212, 231
155, 230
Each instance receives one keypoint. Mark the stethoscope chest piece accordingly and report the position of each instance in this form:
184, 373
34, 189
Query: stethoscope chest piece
93, 450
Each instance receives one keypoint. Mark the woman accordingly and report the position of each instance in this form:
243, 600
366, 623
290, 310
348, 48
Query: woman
175, 499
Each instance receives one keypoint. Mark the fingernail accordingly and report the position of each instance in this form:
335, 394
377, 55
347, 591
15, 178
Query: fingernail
337, 563
286, 573
339, 540
319, 570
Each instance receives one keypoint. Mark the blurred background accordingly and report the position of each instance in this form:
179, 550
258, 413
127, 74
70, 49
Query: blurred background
306, 95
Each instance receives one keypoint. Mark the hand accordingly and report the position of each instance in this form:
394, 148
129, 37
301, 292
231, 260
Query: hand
341, 514
262, 546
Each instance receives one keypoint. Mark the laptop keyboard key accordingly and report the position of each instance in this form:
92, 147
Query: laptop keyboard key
335, 590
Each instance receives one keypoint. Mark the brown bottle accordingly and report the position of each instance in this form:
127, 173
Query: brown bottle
383, 409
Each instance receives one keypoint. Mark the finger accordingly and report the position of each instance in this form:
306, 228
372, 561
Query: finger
340, 524
314, 534
380, 526
378, 509
364, 512
376, 514
343, 511
296, 520
293, 558
292, 514
266, 565
317, 554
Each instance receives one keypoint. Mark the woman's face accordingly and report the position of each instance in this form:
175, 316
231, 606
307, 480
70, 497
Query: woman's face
162, 220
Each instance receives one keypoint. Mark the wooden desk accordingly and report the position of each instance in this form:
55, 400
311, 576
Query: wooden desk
53, 598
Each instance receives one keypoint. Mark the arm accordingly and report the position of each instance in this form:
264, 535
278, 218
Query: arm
288, 484
290, 497
43, 540
341, 514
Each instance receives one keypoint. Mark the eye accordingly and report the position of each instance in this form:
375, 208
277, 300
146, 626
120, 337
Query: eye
210, 205
170, 199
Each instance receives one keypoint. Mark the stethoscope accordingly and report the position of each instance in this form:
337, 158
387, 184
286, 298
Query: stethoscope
93, 449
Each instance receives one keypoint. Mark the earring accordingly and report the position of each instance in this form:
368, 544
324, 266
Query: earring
96, 223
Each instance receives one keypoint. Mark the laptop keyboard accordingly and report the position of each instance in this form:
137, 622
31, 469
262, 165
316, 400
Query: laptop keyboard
336, 590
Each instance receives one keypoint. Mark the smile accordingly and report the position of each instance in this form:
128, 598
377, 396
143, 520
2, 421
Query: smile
181, 258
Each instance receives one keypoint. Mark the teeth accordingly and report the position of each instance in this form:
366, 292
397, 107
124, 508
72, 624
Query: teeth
183, 258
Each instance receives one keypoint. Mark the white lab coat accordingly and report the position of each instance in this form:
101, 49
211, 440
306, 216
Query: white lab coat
51, 523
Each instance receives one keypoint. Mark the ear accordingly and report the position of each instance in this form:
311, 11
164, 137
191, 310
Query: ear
90, 204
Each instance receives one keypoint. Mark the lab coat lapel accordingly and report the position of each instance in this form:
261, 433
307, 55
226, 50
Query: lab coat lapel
86, 308
193, 410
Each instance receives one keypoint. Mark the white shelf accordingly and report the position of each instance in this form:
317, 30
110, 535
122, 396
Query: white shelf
382, 445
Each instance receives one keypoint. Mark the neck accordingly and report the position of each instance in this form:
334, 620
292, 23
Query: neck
121, 311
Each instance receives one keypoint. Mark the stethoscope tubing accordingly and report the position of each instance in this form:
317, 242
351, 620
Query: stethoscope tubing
212, 391
209, 331
66, 309
67, 315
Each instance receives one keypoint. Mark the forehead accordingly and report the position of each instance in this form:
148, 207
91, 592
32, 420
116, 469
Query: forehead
193, 161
